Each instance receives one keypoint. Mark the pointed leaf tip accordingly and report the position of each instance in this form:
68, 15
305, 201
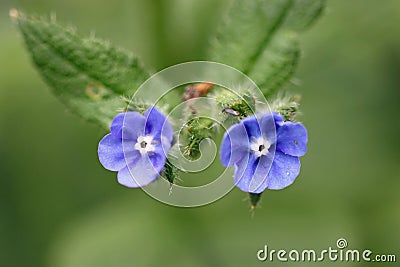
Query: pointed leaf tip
88, 75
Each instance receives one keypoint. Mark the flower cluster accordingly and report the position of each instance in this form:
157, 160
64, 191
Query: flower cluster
265, 152
264, 149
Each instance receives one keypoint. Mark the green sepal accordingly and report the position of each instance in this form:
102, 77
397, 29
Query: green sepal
196, 130
287, 106
170, 172
254, 199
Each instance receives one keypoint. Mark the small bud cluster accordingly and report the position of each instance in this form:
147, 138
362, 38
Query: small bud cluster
242, 105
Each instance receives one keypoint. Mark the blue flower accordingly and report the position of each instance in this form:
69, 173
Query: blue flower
137, 146
265, 152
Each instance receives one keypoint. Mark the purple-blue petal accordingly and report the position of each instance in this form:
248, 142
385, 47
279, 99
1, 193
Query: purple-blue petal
251, 174
128, 125
268, 127
292, 139
252, 126
278, 119
259, 181
111, 152
164, 147
235, 145
157, 124
142, 171
283, 172
244, 171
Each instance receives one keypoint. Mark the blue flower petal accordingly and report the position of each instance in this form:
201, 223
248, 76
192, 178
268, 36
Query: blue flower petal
111, 154
252, 126
235, 145
157, 124
278, 119
164, 148
128, 125
268, 127
259, 181
244, 171
141, 172
283, 172
252, 176
292, 139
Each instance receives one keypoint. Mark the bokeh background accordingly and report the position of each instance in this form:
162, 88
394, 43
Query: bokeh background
59, 207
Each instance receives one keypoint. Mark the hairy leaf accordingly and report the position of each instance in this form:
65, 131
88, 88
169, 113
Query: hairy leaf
88, 75
260, 38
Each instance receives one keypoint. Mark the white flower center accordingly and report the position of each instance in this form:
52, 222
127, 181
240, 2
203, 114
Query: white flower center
145, 144
259, 146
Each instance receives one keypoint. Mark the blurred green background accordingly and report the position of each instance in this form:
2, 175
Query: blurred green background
59, 207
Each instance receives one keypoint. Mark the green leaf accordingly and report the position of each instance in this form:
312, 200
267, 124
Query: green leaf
87, 74
260, 38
